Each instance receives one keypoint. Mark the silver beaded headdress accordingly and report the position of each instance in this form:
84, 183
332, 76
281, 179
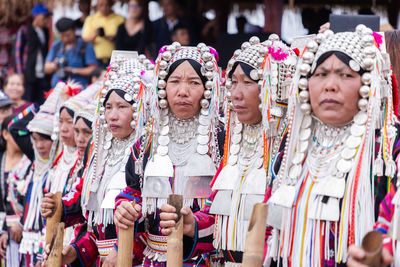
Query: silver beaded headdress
84, 104
208, 119
273, 66
367, 51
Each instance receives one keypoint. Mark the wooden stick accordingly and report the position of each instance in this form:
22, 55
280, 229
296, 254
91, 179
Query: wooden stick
175, 239
125, 245
56, 246
55, 218
255, 238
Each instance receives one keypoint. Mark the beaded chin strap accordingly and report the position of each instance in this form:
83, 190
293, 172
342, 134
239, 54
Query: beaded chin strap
208, 118
364, 49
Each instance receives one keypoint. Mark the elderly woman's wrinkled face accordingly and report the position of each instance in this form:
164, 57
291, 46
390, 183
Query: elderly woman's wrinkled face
245, 99
334, 92
184, 91
118, 116
82, 135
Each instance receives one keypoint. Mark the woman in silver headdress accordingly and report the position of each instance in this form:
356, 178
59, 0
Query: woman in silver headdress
258, 76
181, 153
340, 149
91, 201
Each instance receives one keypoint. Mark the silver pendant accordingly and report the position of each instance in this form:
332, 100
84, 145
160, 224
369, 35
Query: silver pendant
259, 162
165, 120
162, 150
128, 97
164, 112
163, 140
302, 146
107, 145
234, 149
203, 130
204, 111
232, 159
236, 138
357, 130
164, 130
361, 118
203, 120
348, 153
108, 136
202, 149
139, 167
306, 123
238, 128
203, 139
305, 134
344, 165
295, 171
298, 158
353, 141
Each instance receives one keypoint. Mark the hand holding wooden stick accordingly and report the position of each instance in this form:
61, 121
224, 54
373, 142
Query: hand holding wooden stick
125, 245
175, 239
54, 219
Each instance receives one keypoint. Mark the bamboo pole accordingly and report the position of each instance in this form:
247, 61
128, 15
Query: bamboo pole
255, 238
55, 218
175, 239
56, 246
125, 245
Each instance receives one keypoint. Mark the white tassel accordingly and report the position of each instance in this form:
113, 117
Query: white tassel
390, 168
378, 166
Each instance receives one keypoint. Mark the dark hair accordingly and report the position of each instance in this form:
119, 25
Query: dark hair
70, 111
65, 24
4, 126
86, 121
195, 65
179, 26
121, 93
95, 73
341, 56
45, 136
392, 47
21, 75
144, 4
245, 67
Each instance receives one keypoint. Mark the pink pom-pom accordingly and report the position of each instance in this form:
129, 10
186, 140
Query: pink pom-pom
162, 49
378, 38
215, 53
277, 54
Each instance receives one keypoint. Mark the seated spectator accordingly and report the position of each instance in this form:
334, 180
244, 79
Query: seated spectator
14, 88
135, 34
84, 7
181, 34
100, 29
71, 57
5, 106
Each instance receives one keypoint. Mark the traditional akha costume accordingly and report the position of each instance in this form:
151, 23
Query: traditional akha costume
92, 197
12, 185
178, 156
248, 152
332, 179
43, 123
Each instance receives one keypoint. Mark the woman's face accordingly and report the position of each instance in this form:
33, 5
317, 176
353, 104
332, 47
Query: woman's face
15, 88
42, 145
82, 134
134, 9
66, 126
118, 116
245, 97
334, 92
184, 91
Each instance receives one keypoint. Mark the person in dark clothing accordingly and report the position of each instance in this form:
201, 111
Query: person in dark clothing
135, 33
30, 51
163, 27
84, 7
